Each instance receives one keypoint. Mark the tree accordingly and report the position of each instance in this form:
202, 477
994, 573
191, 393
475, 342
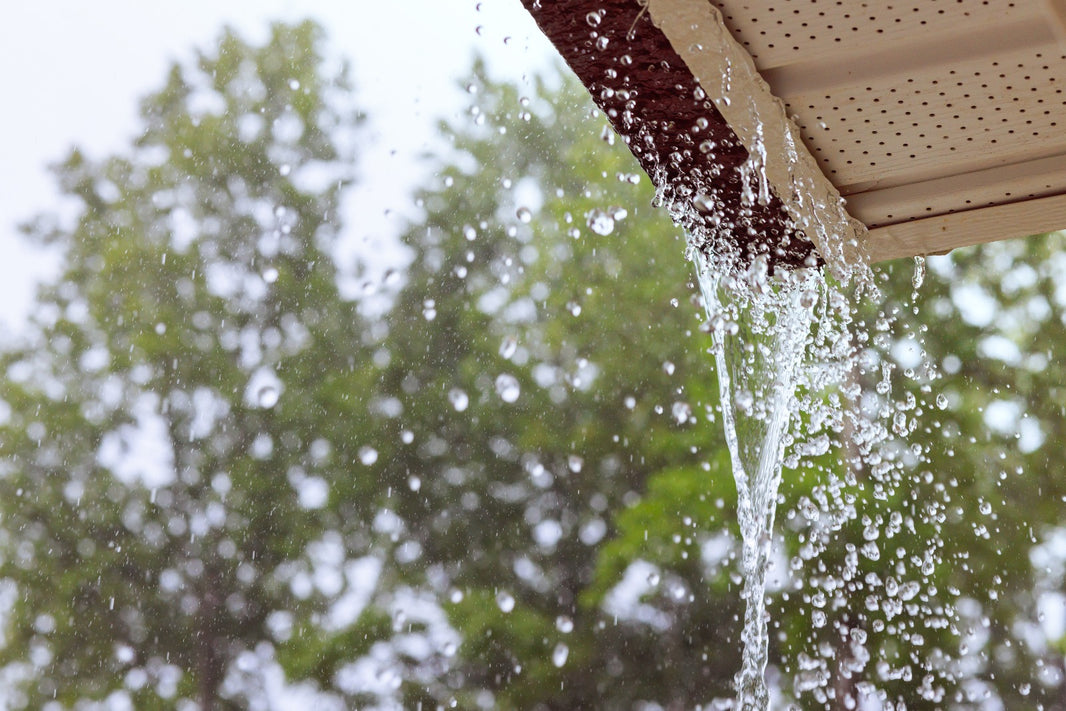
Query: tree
168, 454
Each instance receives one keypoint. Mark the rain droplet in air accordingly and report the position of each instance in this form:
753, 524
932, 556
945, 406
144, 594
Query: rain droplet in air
507, 387
368, 455
593, 18
505, 601
600, 222
458, 399
270, 275
919, 273
508, 347
267, 396
575, 463
564, 624
942, 401
559, 654
524, 215
681, 411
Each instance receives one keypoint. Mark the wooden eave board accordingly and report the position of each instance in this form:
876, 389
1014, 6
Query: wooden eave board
929, 117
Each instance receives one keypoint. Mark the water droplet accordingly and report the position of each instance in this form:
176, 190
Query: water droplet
458, 399
429, 309
985, 508
270, 275
704, 202
414, 483
668, 368
593, 18
508, 347
368, 455
681, 411
942, 401
507, 387
559, 654
574, 308
470, 233
407, 436
601, 43
564, 624
600, 222
630, 402
160, 328
294, 84
653, 579
505, 601
267, 396
575, 463
524, 215
919, 272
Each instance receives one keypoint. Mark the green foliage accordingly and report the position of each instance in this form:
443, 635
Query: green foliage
197, 290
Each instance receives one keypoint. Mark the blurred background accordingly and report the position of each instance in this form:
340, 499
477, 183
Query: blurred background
362, 372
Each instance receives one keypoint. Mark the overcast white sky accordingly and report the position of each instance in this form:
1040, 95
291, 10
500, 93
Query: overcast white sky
73, 74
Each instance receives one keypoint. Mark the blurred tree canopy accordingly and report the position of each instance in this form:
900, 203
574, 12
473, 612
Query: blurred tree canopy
507, 488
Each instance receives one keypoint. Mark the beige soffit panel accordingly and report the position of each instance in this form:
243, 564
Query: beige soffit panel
942, 123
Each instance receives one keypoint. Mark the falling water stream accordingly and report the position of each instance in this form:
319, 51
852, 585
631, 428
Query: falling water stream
760, 327
769, 326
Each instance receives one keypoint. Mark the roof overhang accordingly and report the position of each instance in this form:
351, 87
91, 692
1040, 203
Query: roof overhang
939, 124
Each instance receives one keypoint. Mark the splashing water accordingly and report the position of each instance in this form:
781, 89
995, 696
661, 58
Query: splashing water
760, 325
